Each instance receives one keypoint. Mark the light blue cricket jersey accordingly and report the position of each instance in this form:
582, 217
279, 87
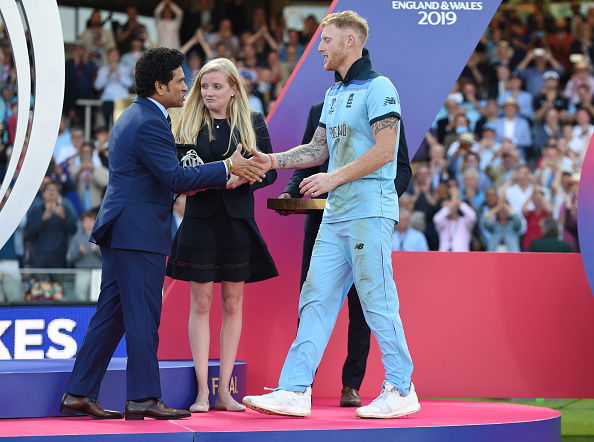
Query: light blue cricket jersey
351, 106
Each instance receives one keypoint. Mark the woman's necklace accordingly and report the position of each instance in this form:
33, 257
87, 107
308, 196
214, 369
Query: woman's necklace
217, 122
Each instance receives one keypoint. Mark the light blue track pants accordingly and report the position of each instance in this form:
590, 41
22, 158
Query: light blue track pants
356, 251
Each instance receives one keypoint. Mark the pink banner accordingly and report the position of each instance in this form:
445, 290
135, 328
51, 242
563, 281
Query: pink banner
481, 325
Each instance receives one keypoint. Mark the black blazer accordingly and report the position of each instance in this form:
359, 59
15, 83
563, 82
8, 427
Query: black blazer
312, 222
238, 202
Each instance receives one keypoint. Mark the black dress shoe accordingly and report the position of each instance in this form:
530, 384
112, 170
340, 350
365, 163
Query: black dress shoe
349, 397
73, 406
153, 408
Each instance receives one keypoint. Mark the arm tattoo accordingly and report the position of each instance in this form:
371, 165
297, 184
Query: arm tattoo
304, 153
389, 123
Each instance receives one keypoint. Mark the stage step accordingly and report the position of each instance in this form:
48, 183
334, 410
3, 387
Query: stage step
34, 388
438, 421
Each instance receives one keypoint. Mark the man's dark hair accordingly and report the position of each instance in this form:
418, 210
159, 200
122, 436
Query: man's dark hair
52, 182
156, 64
88, 214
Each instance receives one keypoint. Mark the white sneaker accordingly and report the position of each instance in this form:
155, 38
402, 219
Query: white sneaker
390, 404
282, 402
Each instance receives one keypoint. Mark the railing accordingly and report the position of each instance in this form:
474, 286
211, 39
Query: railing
32, 285
88, 105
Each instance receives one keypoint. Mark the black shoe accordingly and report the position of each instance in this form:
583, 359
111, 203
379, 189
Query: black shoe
75, 405
349, 397
153, 408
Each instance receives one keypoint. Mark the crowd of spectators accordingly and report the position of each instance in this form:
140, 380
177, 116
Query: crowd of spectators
498, 170
103, 58
500, 167
100, 66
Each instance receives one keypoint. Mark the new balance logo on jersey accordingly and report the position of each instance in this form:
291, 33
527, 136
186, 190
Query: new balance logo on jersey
350, 101
359, 246
389, 100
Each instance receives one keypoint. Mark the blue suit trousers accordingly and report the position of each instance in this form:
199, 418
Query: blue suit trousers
129, 302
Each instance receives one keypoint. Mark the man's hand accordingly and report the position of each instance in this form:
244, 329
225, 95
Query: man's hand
317, 184
251, 171
59, 210
425, 186
261, 158
49, 211
87, 165
235, 181
285, 212
199, 35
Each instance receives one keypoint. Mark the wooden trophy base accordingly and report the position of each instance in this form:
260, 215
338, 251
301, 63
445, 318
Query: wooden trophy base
297, 205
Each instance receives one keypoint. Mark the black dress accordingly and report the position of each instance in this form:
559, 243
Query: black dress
218, 239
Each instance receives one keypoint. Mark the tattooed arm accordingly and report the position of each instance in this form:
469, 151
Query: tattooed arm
307, 155
385, 133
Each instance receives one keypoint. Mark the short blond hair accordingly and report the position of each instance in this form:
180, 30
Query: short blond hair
348, 20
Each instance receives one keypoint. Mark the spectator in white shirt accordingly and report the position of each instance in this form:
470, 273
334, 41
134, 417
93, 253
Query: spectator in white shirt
63, 148
521, 190
113, 80
582, 132
168, 17
130, 58
487, 146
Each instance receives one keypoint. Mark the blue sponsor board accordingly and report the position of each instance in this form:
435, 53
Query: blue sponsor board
45, 331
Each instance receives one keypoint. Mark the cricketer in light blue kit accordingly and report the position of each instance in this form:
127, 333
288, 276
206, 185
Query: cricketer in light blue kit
358, 130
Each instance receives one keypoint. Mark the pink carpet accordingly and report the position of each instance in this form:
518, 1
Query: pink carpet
326, 415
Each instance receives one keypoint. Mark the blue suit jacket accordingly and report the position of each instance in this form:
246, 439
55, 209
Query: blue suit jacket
522, 132
144, 174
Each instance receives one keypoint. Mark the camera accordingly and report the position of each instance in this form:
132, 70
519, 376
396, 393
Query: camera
539, 52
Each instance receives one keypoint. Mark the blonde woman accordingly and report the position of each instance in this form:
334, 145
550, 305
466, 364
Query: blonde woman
218, 239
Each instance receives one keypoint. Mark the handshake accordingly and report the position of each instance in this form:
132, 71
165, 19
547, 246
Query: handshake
245, 170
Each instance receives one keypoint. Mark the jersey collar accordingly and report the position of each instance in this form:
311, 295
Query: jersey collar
360, 70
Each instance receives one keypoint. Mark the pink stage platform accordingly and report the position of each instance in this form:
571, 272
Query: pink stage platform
437, 421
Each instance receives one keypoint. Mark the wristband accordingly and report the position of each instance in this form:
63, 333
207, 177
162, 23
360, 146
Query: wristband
271, 160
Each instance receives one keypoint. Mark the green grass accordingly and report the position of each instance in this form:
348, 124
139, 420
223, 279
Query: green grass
577, 415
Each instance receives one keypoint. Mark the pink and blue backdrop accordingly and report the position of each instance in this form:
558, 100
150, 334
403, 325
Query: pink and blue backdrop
478, 324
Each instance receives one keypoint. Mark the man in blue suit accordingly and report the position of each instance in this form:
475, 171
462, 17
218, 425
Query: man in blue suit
133, 229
